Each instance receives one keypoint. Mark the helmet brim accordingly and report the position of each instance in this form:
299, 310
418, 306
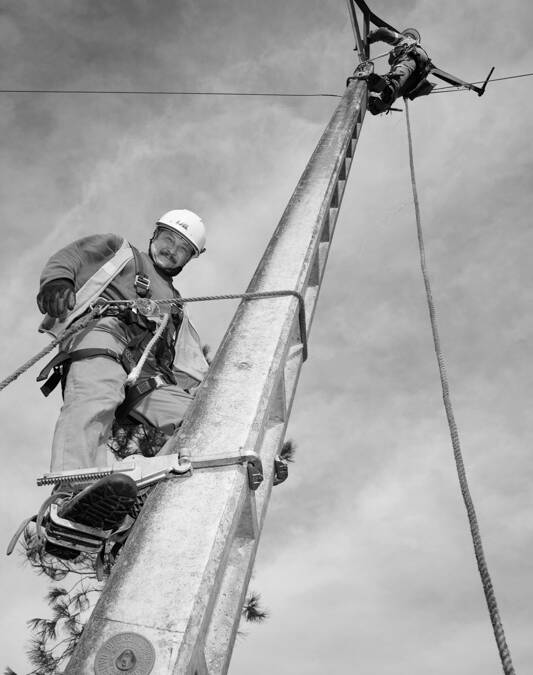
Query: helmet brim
164, 226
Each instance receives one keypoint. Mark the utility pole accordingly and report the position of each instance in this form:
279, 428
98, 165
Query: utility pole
173, 602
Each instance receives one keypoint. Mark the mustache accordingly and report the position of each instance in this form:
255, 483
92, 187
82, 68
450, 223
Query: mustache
168, 254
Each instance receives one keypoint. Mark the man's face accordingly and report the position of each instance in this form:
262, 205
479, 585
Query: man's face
169, 250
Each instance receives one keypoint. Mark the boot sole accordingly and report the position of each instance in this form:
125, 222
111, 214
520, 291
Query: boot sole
376, 83
104, 504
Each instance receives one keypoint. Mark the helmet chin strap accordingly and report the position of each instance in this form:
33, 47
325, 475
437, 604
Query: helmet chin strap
166, 271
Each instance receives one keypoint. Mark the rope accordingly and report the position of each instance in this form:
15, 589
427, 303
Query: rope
136, 371
490, 597
254, 296
100, 308
266, 294
79, 325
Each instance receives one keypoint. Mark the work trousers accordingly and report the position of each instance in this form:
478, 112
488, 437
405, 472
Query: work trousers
94, 388
400, 73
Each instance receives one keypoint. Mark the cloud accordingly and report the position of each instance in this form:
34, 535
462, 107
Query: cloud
365, 560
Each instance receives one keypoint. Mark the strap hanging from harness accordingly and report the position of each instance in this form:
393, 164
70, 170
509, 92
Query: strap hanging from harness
142, 280
60, 365
136, 392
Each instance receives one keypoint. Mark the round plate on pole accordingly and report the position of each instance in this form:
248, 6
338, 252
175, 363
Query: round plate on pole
125, 654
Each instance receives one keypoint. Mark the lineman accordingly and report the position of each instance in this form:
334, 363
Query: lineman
409, 66
93, 365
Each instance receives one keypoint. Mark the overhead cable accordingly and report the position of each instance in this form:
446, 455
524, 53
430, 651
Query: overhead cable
149, 92
154, 92
494, 79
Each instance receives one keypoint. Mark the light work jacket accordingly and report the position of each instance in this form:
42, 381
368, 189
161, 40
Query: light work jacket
103, 265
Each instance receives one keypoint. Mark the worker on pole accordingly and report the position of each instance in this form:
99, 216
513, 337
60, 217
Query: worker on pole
410, 65
93, 365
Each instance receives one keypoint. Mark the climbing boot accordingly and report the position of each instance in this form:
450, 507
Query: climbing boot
376, 105
388, 94
104, 504
376, 82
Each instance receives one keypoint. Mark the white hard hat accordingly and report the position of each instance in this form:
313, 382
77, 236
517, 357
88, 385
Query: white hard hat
188, 225
412, 32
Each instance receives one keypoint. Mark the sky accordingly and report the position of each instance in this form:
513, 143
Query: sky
365, 563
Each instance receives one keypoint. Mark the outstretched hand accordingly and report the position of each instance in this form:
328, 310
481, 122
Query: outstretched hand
56, 298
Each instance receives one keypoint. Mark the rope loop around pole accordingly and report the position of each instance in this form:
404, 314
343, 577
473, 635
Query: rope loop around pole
100, 305
486, 581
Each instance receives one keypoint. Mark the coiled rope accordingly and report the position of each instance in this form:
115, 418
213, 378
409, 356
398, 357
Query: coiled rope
100, 307
486, 581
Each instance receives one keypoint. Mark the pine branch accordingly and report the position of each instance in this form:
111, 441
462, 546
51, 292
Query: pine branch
55, 639
55, 593
205, 350
288, 451
252, 610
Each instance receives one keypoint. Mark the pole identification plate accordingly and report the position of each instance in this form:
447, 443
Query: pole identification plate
125, 654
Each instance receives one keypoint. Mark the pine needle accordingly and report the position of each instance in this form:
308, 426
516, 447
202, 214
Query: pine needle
252, 611
288, 451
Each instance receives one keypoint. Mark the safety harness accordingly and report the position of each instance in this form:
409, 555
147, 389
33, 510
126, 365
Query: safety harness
57, 369
417, 84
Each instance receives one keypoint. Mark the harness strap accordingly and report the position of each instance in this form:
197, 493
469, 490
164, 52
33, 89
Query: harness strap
136, 392
61, 362
142, 280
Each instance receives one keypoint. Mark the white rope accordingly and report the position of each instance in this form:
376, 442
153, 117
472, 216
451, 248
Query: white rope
135, 373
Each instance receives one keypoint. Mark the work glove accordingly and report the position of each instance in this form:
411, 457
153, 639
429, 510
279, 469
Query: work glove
57, 297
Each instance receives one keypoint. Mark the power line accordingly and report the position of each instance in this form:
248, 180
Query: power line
495, 79
154, 92
149, 92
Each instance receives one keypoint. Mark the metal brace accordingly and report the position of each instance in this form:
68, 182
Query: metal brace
143, 470
149, 470
254, 466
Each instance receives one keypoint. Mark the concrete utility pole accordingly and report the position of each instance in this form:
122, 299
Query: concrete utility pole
173, 601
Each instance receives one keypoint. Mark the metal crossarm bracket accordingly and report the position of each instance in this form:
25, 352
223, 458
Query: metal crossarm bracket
458, 82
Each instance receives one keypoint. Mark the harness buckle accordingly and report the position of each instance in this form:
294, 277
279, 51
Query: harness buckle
142, 285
